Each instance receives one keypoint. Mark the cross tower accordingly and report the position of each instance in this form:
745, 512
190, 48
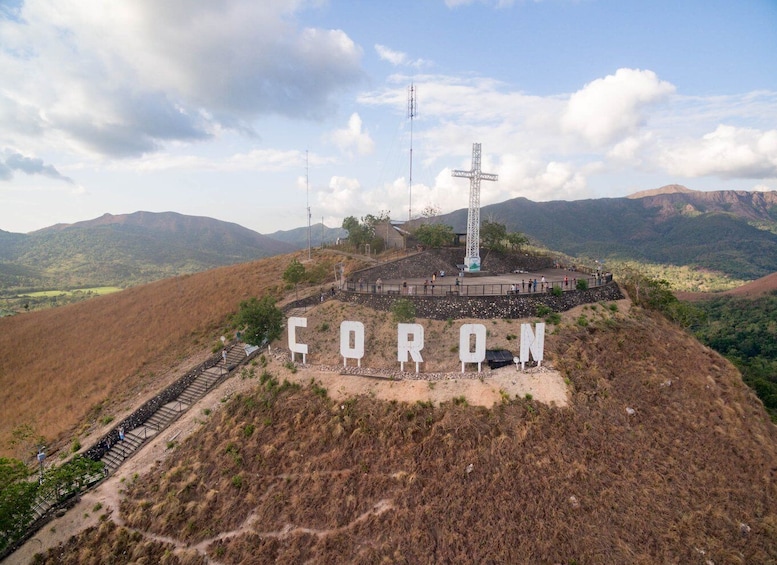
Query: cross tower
472, 260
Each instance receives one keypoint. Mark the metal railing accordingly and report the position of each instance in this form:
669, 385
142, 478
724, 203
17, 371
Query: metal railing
527, 287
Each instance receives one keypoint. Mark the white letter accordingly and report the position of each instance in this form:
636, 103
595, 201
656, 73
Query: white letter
405, 345
292, 324
357, 351
465, 354
531, 342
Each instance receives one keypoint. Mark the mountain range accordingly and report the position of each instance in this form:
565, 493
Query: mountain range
731, 232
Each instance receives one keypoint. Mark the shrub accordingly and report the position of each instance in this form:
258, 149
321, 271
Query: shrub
556, 291
403, 310
553, 318
582, 284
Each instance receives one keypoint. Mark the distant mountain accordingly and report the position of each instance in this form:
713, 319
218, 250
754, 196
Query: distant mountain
319, 234
127, 249
733, 232
668, 189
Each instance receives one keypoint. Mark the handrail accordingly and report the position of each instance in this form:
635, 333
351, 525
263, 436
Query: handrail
524, 288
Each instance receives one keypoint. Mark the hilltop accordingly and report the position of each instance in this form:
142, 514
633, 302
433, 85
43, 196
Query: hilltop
732, 234
660, 454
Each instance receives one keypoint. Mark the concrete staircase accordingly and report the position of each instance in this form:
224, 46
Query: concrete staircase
135, 439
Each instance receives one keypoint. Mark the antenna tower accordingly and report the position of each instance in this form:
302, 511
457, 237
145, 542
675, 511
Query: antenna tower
412, 111
307, 197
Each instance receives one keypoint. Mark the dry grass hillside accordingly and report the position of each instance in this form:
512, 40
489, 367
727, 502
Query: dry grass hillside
65, 368
662, 456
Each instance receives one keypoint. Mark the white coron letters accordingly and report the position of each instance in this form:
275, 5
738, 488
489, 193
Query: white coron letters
357, 351
466, 355
352, 343
407, 346
533, 343
292, 324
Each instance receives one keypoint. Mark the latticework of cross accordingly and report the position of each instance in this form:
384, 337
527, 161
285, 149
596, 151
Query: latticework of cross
475, 175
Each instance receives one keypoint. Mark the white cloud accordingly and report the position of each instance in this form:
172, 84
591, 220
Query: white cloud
727, 152
343, 197
495, 3
11, 161
398, 58
609, 108
352, 138
127, 77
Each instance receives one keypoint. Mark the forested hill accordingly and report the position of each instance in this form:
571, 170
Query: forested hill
733, 232
127, 249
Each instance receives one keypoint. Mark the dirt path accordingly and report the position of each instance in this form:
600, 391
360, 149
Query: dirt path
543, 384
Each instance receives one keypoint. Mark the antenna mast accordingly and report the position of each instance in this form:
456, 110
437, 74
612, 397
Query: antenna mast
307, 196
412, 110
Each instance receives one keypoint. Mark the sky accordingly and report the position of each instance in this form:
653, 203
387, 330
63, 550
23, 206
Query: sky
254, 111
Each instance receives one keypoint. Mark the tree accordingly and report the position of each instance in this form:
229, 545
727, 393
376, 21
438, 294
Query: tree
294, 274
516, 240
361, 233
434, 235
17, 496
261, 321
493, 235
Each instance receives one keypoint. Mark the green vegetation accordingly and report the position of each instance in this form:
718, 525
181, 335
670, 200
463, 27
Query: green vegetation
17, 495
403, 311
18, 492
260, 320
363, 233
27, 300
495, 236
685, 278
434, 235
294, 274
744, 330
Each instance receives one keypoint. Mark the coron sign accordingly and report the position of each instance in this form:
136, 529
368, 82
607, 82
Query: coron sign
410, 343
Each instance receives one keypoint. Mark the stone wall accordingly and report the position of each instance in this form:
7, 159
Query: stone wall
443, 307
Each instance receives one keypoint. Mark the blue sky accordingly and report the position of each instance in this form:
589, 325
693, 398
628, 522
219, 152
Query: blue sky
210, 108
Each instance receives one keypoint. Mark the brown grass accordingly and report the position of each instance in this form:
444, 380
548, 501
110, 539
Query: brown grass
62, 366
286, 475
365, 481
108, 543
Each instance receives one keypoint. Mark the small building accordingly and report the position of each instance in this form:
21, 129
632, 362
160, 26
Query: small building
392, 234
